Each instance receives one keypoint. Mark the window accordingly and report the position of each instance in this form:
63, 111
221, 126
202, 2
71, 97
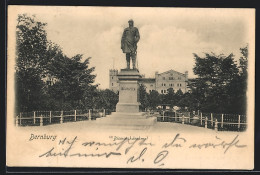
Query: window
162, 91
112, 84
164, 84
172, 84
179, 78
112, 77
163, 78
180, 85
170, 78
150, 91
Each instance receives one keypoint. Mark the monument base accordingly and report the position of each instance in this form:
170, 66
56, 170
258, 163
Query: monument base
127, 113
126, 120
127, 107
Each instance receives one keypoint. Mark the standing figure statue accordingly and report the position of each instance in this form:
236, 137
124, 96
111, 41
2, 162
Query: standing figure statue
129, 41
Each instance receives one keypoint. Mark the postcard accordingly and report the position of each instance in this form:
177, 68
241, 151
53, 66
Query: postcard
130, 87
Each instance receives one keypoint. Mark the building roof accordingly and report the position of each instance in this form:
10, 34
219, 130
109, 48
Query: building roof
148, 80
172, 71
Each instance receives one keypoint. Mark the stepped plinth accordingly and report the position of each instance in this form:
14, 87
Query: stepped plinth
127, 109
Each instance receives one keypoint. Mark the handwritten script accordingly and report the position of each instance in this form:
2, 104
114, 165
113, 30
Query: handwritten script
67, 147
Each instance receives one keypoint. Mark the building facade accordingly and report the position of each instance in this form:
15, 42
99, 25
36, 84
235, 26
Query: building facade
113, 80
161, 83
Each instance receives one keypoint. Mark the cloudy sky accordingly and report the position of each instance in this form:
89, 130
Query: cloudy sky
169, 36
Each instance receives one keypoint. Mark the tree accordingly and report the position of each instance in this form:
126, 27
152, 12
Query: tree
178, 95
154, 99
198, 88
29, 92
243, 61
169, 98
143, 96
31, 45
74, 80
30, 59
219, 83
187, 101
215, 70
105, 99
243, 78
38, 59
238, 86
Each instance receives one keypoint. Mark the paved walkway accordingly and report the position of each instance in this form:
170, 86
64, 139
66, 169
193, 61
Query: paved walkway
86, 126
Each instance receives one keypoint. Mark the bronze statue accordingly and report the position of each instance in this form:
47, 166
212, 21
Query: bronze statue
129, 41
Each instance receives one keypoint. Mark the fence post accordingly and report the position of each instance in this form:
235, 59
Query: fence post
189, 119
238, 121
89, 114
20, 118
61, 117
41, 121
163, 115
50, 116
222, 119
16, 121
34, 115
75, 115
182, 119
211, 118
175, 116
104, 112
201, 118
216, 125
206, 122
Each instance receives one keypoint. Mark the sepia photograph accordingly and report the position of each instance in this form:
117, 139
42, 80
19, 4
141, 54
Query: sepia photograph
130, 87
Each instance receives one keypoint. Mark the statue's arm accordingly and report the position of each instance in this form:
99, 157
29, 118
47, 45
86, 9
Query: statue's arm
123, 37
123, 40
137, 36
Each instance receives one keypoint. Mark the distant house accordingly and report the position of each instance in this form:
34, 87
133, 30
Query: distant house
113, 80
149, 83
161, 82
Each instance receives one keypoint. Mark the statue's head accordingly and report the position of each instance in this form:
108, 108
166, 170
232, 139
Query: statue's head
131, 23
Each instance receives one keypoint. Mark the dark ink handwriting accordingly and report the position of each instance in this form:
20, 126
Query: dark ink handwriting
64, 153
173, 142
133, 159
107, 155
160, 156
223, 144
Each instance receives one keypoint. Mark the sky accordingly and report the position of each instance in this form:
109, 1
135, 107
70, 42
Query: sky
169, 36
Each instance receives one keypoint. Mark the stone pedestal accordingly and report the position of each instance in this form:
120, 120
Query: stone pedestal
128, 91
127, 109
